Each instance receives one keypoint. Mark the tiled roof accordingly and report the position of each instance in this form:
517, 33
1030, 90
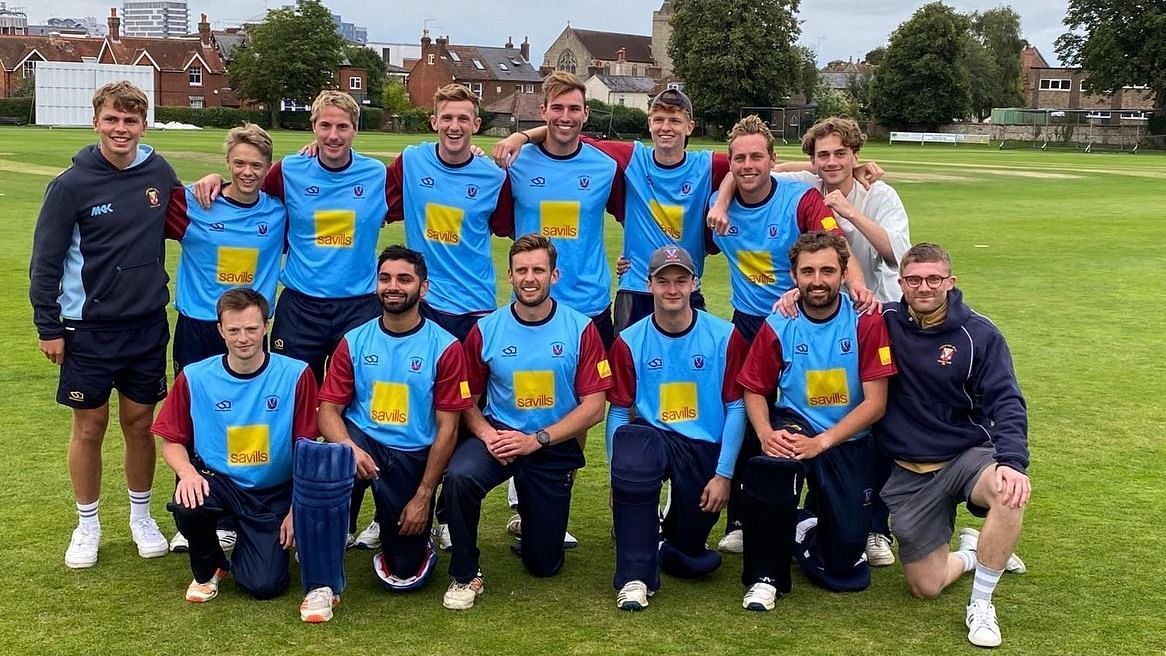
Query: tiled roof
627, 83
15, 48
493, 64
606, 45
172, 54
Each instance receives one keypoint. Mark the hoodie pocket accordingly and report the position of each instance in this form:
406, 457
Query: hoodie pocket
134, 283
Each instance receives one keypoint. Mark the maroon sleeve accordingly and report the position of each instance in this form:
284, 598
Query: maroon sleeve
177, 221
173, 423
395, 189
814, 215
874, 348
623, 374
502, 220
734, 360
620, 151
616, 198
477, 373
593, 374
339, 384
273, 183
720, 168
451, 390
764, 363
304, 421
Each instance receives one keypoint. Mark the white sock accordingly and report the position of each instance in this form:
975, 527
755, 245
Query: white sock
139, 505
968, 558
984, 584
87, 515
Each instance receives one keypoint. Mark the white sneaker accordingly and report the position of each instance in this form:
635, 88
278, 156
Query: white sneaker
761, 597
369, 538
198, 593
878, 550
633, 596
151, 543
82, 551
983, 630
179, 543
350, 541
318, 604
514, 530
733, 542
970, 538
226, 540
461, 596
441, 532
570, 541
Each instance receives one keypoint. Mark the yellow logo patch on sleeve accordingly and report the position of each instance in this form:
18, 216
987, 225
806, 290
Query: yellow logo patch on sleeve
829, 223
603, 368
464, 389
248, 446
885, 355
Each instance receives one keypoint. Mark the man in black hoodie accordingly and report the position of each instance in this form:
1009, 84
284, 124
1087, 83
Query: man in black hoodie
957, 427
98, 292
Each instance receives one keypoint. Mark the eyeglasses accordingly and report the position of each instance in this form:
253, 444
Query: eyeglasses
932, 281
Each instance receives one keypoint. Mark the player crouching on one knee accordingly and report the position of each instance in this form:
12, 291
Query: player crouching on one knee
228, 431
957, 428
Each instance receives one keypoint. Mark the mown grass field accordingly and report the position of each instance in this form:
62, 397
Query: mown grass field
1062, 249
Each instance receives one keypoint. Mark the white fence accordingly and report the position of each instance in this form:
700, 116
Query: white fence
64, 90
939, 137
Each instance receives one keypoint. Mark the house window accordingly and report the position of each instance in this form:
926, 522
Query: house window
454, 56
502, 66
354, 83
498, 90
195, 76
566, 61
478, 65
621, 101
675, 86
29, 69
476, 87
196, 102
528, 88
429, 59
1056, 85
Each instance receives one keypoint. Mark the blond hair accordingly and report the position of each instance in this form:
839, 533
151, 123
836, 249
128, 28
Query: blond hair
559, 83
252, 135
456, 93
124, 96
846, 129
751, 124
339, 99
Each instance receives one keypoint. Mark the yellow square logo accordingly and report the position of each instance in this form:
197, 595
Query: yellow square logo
534, 390
443, 224
248, 446
464, 389
827, 387
390, 403
884, 355
236, 266
559, 219
678, 402
829, 223
603, 368
335, 228
757, 266
670, 218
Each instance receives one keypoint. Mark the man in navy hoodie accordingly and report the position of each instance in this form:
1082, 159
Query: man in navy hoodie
957, 428
98, 291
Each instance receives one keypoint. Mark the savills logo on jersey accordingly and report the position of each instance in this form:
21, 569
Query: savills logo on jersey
100, 210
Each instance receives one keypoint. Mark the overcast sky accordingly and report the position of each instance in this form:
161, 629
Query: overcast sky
836, 29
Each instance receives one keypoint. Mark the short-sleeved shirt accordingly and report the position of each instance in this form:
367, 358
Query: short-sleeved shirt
818, 367
242, 426
393, 384
533, 374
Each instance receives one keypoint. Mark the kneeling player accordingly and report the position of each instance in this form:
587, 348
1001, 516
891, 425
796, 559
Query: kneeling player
677, 369
395, 388
239, 415
830, 365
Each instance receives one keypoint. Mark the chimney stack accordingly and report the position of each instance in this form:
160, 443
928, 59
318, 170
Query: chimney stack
509, 42
204, 31
114, 26
425, 41
525, 48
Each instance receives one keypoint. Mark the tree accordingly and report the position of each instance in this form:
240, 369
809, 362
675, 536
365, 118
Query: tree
921, 80
373, 65
806, 82
874, 57
395, 97
293, 54
1118, 43
735, 53
994, 60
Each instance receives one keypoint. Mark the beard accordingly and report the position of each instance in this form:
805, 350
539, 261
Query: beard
536, 301
402, 306
814, 302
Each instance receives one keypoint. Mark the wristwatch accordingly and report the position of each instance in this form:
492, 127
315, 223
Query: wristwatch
543, 437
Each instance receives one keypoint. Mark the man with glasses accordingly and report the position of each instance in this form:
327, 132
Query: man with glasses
957, 428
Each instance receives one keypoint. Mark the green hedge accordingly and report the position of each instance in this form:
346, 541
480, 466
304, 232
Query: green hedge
212, 117
21, 108
372, 118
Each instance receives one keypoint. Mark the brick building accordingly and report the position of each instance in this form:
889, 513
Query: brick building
1054, 87
492, 73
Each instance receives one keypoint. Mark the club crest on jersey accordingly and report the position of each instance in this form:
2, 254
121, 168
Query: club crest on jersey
584, 182
216, 227
262, 228
358, 191
427, 182
698, 362
223, 405
372, 358
802, 349
655, 363
271, 403
415, 364
312, 190
510, 351
686, 188
946, 353
538, 182
471, 191
557, 349
867, 496
152, 196
771, 229
845, 345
